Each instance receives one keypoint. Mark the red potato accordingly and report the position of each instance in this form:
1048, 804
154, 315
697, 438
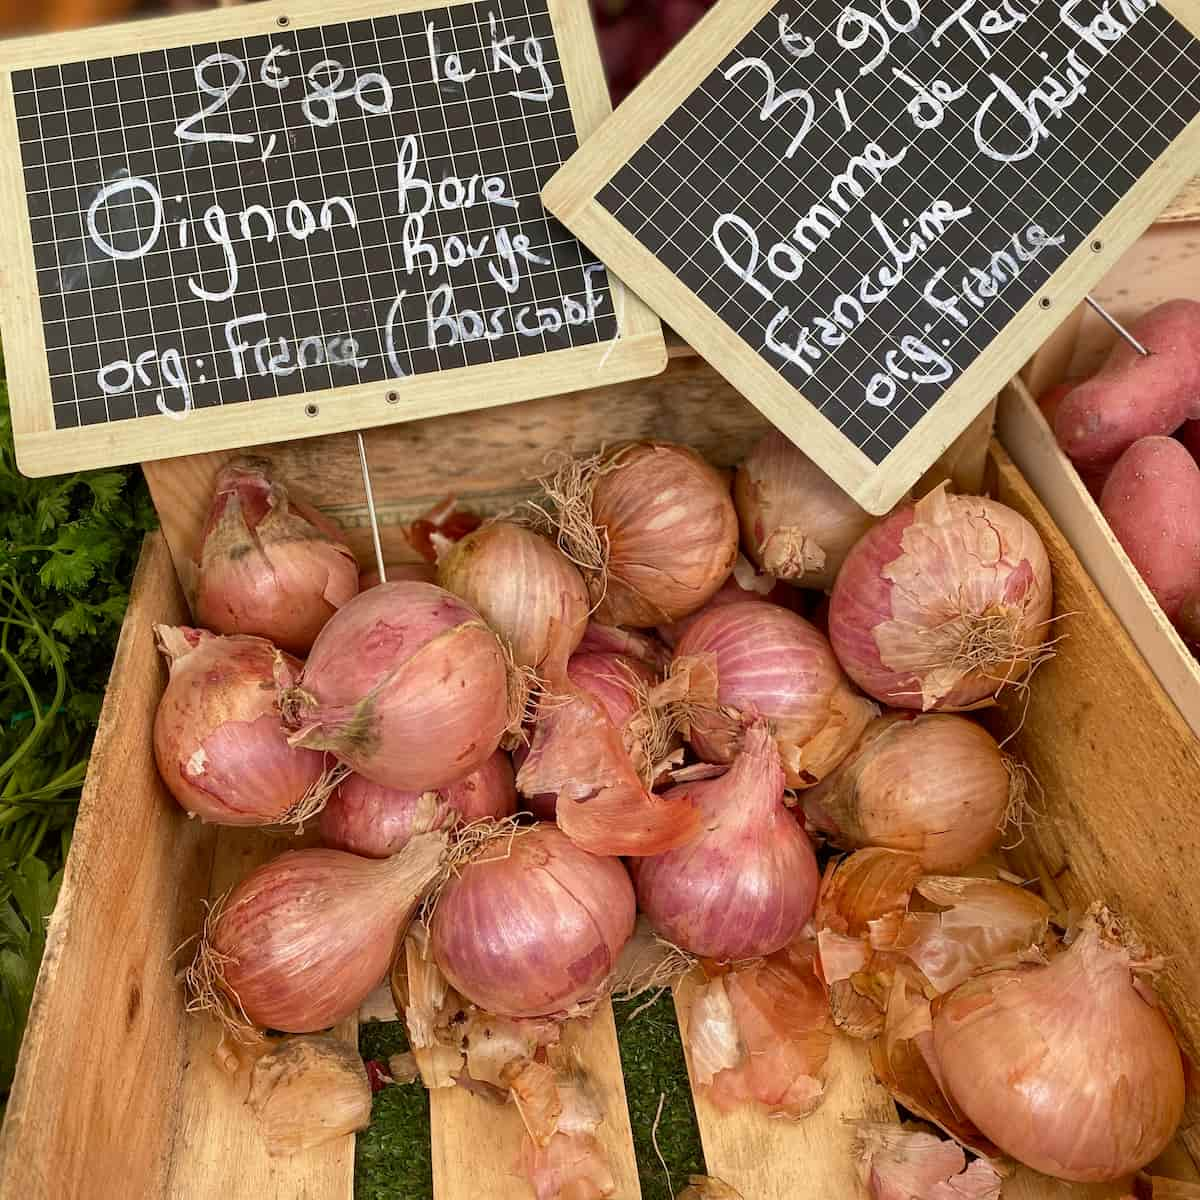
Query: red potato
1152, 502
1093, 477
1135, 397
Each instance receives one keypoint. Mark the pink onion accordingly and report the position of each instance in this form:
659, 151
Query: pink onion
652, 527
747, 883
937, 786
267, 564
943, 603
377, 822
771, 663
396, 572
797, 524
406, 685
300, 942
524, 588
609, 639
532, 925
218, 739
1070, 1067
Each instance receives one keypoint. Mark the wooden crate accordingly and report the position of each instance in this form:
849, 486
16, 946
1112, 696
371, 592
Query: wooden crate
1163, 265
116, 1094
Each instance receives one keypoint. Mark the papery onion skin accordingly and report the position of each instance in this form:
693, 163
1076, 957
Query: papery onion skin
303, 940
377, 822
942, 603
218, 740
1067, 1067
406, 685
796, 523
773, 663
524, 587
671, 530
747, 883
629, 643
534, 925
937, 786
267, 564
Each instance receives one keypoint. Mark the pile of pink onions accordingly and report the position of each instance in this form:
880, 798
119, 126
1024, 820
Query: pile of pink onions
268, 564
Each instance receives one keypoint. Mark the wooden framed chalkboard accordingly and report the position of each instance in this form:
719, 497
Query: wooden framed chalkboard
292, 219
868, 214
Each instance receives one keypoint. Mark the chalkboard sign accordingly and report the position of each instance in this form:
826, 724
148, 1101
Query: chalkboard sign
253, 225
868, 215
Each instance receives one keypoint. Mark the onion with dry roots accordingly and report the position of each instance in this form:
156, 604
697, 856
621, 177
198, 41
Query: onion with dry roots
943, 603
1070, 1067
797, 524
301, 941
768, 662
938, 786
651, 526
218, 740
268, 564
407, 686
377, 822
526, 590
528, 924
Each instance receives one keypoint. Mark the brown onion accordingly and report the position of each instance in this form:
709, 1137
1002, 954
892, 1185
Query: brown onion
652, 527
267, 564
218, 740
525, 589
1069, 1067
377, 822
301, 941
532, 925
747, 883
797, 524
406, 685
771, 663
943, 603
937, 786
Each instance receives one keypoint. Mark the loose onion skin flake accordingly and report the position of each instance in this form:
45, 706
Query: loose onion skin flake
746, 884
1070, 1067
771, 663
267, 564
797, 524
218, 740
406, 685
532, 925
526, 590
301, 941
907, 1164
377, 822
651, 525
943, 603
937, 786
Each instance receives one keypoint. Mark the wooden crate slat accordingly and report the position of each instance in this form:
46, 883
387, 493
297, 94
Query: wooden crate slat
476, 1143
223, 1152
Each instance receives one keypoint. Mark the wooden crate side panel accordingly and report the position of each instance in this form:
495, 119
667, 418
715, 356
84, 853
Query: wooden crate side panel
92, 1112
1120, 768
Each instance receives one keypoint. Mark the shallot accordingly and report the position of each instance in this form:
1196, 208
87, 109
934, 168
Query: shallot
530, 924
406, 685
797, 524
1069, 1067
377, 822
525, 589
769, 662
937, 786
268, 564
301, 941
218, 740
652, 527
943, 603
745, 885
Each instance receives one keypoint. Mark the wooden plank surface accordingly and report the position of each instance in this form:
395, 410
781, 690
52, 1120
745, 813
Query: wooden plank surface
1186, 205
476, 1144
93, 1109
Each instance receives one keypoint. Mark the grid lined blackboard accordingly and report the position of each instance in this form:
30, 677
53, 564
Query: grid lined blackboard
281, 214
978, 145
